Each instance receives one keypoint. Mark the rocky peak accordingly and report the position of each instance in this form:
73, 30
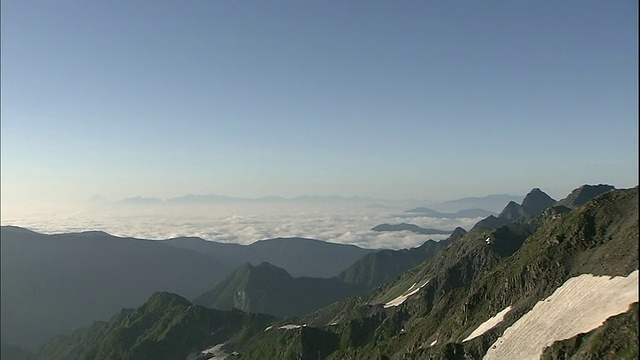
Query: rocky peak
583, 194
536, 201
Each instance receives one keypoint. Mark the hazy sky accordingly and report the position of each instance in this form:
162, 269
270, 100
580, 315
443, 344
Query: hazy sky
386, 99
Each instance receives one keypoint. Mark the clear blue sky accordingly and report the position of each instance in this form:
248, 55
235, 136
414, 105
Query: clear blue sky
387, 99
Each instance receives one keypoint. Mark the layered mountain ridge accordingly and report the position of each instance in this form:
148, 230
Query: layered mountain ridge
56, 283
474, 295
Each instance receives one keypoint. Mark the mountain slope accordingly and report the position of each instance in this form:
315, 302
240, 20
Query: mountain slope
617, 338
271, 290
166, 326
55, 283
536, 201
532, 205
429, 311
268, 289
383, 266
583, 194
52, 284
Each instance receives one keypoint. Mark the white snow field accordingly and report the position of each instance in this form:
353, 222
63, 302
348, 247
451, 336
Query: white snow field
290, 327
580, 305
488, 325
400, 299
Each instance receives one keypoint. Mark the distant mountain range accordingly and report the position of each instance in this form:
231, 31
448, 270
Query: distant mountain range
466, 213
222, 199
493, 203
409, 227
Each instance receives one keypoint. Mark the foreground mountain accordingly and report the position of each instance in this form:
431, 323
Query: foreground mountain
52, 284
55, 283
409, 227
506, 293
166, 326
268, 289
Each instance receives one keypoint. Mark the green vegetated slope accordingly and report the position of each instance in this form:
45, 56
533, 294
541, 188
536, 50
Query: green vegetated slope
383, 266
167, 326
473, 279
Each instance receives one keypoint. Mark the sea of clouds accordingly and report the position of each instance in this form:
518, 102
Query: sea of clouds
244, 223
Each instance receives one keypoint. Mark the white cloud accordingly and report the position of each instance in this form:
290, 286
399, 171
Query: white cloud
234, 224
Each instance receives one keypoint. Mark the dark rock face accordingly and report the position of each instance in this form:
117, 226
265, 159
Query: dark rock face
583, 194
268, 289
512, 212
533, 204
536, 201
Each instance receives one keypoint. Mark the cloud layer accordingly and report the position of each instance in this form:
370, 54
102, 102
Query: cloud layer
244, 224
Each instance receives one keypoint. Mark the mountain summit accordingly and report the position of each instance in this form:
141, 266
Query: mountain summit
532, 205
536, 201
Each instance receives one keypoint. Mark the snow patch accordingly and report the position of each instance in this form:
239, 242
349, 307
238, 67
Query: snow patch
488, 325
580, 305
215, 352
400, 299
289, 327
268, 328
434, 342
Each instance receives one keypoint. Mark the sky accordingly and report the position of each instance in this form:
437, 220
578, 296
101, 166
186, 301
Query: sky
393, 100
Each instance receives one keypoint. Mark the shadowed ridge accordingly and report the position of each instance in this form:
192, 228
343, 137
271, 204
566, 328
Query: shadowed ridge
583, 194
